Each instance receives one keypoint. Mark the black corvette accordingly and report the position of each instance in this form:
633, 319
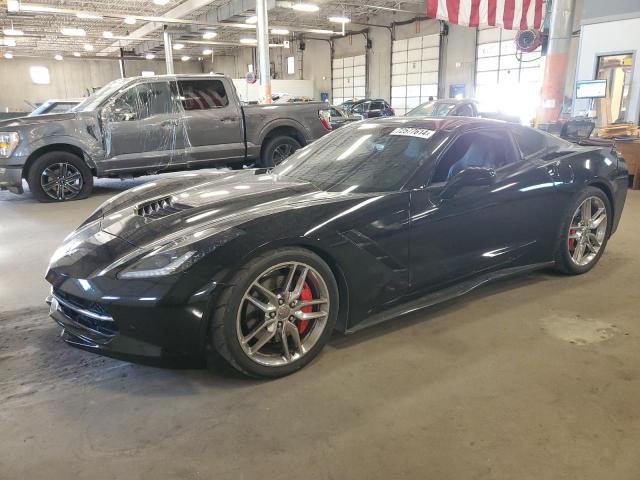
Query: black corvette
377, 219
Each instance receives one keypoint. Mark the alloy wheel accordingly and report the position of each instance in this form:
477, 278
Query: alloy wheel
281, 152
61, 181
283, 314
587, 231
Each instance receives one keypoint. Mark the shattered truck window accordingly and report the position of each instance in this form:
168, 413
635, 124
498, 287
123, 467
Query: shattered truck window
202, 94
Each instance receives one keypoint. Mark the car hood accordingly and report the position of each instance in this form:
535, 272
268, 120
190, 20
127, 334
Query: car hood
21, 122
189, 202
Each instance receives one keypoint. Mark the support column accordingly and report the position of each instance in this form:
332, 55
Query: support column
123, 73
264, 65
555, 70
168, 51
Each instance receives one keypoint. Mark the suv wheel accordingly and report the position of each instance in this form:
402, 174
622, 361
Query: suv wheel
58, 177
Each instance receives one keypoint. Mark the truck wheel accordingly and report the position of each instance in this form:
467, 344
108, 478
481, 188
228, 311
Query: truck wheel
59, 177
276, 149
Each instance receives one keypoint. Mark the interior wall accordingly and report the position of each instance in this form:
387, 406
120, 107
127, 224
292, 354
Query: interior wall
70, 78
609, 38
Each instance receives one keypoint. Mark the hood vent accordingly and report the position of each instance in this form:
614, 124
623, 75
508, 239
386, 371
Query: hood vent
160, 207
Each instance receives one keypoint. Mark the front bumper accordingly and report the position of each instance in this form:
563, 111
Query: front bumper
11, 178
150, 327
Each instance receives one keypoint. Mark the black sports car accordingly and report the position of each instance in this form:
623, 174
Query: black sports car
377, 219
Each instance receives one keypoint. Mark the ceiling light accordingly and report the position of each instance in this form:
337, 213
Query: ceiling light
58, 57
185, 58
339, 19
73, 32
161, 2
149, 56
305, 7
130, 21
178, 46
209, 35
252, 20
107, 34
13, 6
13, 32
89, 16
322, 32
8, 55
8, 42
280, 31
248, 41
76, 54
88, 47
207, 51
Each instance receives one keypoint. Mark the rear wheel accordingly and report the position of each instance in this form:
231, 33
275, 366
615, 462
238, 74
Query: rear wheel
59, 177
585, 232
277, 315
277, 149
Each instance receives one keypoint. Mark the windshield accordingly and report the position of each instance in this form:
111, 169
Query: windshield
96, 98
432, 109
362, 157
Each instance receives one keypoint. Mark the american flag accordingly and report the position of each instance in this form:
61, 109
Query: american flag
509, 14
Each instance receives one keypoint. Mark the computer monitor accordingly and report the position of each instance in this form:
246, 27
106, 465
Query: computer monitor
591, 89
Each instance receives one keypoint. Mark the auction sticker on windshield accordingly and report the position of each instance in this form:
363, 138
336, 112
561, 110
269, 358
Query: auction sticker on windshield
413, 132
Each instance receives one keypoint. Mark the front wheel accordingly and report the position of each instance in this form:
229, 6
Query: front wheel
277, 314
277, 149
58, 177
585, 232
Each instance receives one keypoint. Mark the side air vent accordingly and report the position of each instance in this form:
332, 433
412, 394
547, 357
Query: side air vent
160, 207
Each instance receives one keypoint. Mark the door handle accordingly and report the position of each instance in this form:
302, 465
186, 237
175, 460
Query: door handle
228, 119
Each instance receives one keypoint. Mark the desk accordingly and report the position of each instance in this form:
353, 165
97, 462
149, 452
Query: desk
630, 151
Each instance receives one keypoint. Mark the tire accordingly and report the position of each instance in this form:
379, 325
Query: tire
233, 313
44, 170
269, 155
570, 238
236, 166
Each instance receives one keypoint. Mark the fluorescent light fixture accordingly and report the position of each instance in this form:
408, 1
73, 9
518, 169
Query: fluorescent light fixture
89, 16
8, 42
161, 2
248, 41
252, 20
13, 6
107, 34
339, 19
8, 55
280, 31
73, 32
76, 54
209, 35
185, 58
13, 32
130, 21
178, 46
322, 32
58, 57
147, 73
149, 56
305, 7
88, 47
207, 51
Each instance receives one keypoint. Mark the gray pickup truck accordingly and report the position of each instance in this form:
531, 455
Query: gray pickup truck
145, 125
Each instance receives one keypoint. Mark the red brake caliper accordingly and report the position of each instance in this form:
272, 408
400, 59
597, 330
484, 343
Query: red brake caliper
572, 241
305, 296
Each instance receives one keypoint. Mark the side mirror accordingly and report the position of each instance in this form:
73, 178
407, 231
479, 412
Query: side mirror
469, 177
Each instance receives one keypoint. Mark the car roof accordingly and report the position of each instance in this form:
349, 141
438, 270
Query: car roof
447, 124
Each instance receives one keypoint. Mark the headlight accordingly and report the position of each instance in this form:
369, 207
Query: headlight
159, 264
8, 143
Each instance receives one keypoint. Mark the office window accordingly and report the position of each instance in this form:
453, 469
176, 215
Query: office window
291, 66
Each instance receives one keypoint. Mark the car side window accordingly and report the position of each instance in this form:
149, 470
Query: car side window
475, 149
529, 141
202, 94
377, 106
143, 101
465, 111
360, 108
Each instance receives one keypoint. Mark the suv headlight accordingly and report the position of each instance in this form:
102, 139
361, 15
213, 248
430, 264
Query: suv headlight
8, 143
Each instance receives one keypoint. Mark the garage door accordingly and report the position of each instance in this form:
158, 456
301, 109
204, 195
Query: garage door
349, 78
505, 79
414, 71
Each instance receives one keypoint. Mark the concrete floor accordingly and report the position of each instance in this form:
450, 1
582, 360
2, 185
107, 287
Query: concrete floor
534, 378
